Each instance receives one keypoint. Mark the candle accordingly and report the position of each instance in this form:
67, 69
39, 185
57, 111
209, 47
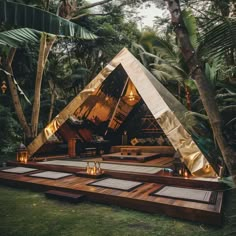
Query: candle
88, 168
180, 172
186, 174
220, 172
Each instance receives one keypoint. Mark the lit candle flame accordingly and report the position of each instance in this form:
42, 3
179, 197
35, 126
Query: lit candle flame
185, 174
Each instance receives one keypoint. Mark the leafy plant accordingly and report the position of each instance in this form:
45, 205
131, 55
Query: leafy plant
10, 134
21, 15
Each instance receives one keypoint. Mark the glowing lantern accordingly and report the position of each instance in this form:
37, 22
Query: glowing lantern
22, 154
4, 87
131, 96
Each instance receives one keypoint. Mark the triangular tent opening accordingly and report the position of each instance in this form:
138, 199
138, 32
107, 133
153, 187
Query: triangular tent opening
111, 96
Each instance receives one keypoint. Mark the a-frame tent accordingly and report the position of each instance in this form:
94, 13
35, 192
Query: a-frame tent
110, 97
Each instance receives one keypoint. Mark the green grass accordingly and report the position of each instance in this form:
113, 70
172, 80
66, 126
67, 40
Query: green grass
31, 214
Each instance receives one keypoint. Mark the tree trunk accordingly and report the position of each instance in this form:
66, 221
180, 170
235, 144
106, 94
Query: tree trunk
43, 54
53, 96
206, 92
14, 94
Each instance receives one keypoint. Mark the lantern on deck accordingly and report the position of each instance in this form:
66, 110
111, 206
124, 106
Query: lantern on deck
22, 154
178, 166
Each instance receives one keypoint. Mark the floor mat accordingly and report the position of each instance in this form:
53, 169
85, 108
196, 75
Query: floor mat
51, 175
106, 166
119, 184
188, 194
19, 170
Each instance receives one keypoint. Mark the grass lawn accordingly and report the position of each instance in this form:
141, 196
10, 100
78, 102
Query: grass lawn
29, 213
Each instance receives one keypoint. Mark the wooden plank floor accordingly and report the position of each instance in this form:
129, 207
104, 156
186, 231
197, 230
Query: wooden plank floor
139, 198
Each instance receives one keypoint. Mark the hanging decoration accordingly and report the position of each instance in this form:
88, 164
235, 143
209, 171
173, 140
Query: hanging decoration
4, 87
131, 96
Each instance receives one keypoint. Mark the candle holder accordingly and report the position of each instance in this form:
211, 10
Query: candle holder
92, 170
221, 171
124, 140
180, 170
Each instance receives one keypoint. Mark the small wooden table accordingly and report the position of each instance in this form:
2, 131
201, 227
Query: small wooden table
130, 151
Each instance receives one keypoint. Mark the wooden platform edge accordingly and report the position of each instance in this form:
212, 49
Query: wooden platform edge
177, 211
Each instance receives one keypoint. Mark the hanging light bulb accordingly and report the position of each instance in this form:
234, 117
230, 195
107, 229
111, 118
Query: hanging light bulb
4, 87
131, 96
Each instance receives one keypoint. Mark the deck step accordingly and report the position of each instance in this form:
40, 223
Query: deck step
66, 196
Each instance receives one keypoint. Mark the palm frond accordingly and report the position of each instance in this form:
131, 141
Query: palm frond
162, 75
196, 114
25, 16
142, 53
191, 25
172, 72
191, 84
231, 121
219, 40
226, 96
229, 107
194, 121
18, 37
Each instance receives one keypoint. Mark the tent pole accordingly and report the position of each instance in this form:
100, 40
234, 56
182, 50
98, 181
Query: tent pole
117, 104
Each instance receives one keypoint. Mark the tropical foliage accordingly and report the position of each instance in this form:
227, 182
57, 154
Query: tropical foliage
72, 62
25, 16
214, 45
10, 134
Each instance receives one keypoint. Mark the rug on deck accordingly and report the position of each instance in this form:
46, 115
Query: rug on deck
187, 194
107, 166
19, 170
119, 184
51, 175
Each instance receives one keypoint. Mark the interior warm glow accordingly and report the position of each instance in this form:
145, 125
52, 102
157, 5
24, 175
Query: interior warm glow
131, 96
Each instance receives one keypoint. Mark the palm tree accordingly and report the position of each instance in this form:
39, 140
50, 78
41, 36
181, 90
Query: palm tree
167, 64
163, 58
12, 13
205, 91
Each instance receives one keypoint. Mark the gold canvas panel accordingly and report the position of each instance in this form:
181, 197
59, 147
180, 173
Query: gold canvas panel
50, 129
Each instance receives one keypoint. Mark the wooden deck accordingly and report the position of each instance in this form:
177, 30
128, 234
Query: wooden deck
139, 198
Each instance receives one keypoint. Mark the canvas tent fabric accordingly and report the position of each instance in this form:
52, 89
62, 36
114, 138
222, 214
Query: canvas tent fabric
102, 98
